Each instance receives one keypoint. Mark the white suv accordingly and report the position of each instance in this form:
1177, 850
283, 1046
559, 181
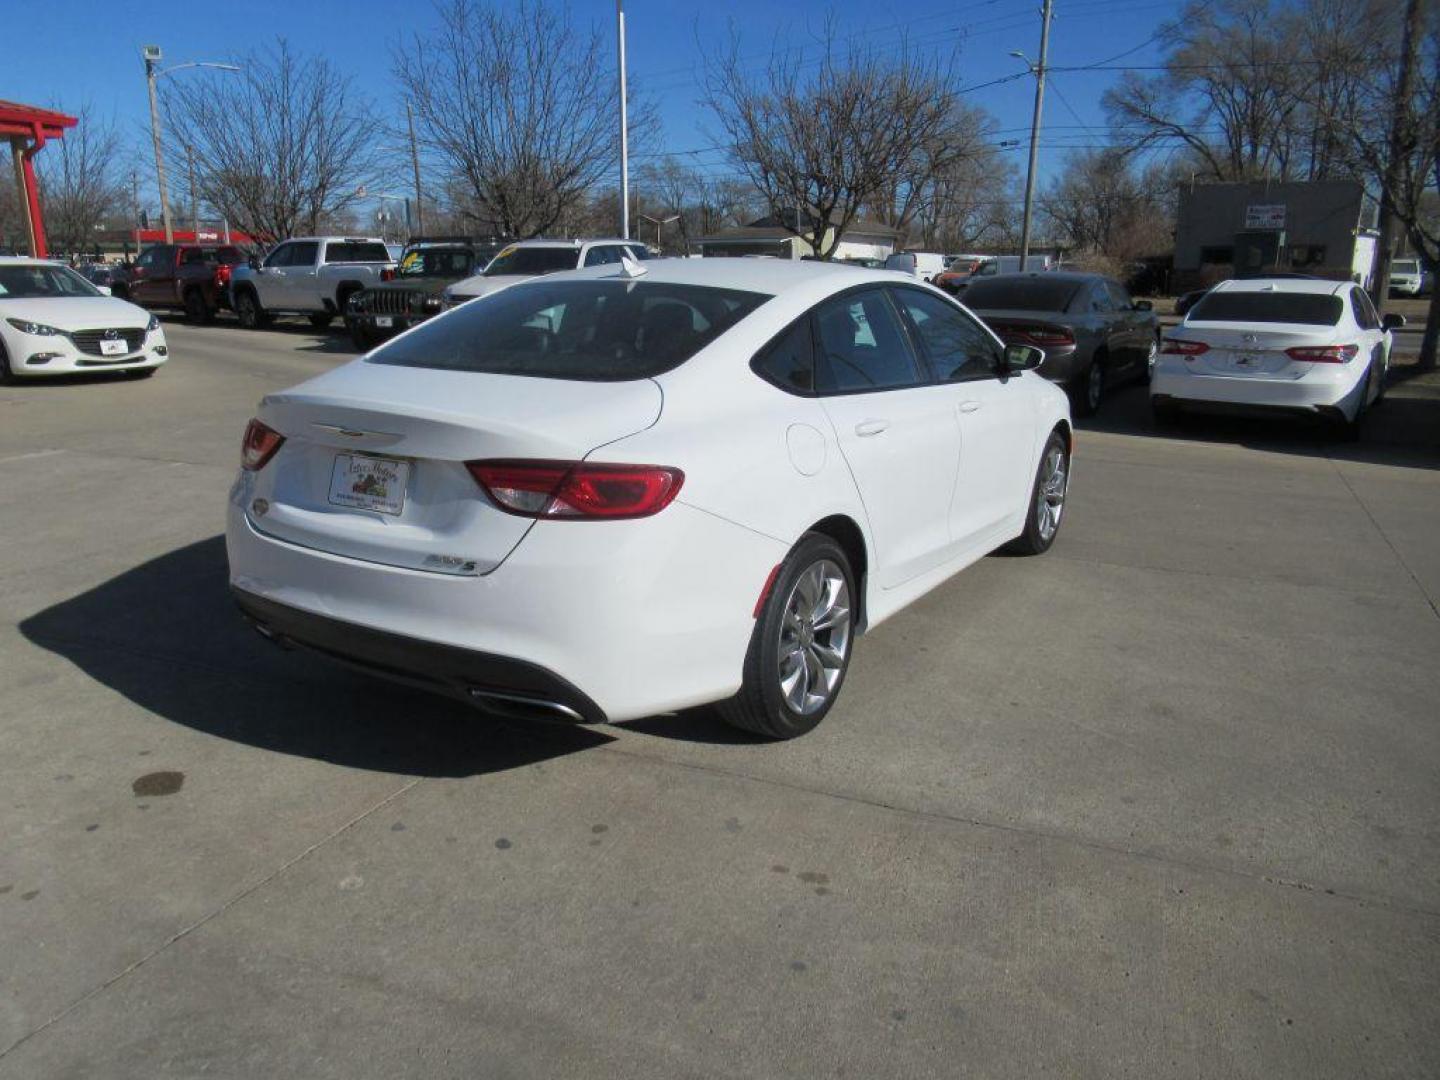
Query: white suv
1407, 278
530, 258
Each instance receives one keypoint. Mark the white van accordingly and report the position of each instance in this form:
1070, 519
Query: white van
1010, 264
922, 264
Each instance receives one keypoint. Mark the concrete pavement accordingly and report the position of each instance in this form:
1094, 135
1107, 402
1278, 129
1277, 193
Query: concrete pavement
1165, 802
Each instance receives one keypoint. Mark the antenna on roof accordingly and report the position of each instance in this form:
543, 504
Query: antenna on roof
629, 268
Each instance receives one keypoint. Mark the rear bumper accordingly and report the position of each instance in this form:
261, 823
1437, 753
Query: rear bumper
499, 683
1330, 390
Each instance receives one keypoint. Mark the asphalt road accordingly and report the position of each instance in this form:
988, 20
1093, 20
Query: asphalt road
1162, 803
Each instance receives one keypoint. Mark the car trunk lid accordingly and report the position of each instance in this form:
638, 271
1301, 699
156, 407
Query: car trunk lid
373, 464
1253, 350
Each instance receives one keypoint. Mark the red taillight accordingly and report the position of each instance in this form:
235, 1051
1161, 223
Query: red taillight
572, 490
259, 445
1036, 334
387, 274
222, 274
1182, 347
1323, 354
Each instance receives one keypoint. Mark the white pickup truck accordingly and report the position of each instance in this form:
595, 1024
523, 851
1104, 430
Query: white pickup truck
307, 275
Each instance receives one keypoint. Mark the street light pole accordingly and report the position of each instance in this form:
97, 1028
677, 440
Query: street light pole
1039, 71
194, 203
152, 57
625, 128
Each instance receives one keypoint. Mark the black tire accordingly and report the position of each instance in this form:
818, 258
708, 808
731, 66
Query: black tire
248, 310
1035, 540
1383, 377
761, 706
197, 310
1087, 390
321, 319
7, 377
1349, 430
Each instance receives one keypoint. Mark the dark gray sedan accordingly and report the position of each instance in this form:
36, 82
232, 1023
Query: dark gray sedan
1093, 335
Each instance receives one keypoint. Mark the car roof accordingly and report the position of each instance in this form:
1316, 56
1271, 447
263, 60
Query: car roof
573, 243
1049, 275
1324, 286
27, 260
772, 276
337, 236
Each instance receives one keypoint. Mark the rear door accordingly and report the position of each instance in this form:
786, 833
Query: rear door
1127, 326
896, 430
994, 415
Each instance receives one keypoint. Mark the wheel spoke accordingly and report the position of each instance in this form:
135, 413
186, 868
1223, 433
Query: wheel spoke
829, 657
837, 615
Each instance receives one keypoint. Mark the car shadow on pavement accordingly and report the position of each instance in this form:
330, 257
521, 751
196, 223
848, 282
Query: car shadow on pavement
1404, 430
167, 636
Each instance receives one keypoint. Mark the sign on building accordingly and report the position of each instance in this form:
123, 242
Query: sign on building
1265, 217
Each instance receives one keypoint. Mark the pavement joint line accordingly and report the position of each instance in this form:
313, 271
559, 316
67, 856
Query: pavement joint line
1040, 833
33, 454
1386, 537
198, 923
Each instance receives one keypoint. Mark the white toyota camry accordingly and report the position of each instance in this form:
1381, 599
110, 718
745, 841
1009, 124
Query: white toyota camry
54, 322
614, 492
1294, 345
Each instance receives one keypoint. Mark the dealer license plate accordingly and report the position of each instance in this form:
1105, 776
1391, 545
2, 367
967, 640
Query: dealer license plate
114, 348
384, 320
369, 483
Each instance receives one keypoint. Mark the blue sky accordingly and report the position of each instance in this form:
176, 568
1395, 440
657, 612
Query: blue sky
91, 50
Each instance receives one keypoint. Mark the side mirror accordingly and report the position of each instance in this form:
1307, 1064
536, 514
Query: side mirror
1023, 357
104, 290
1392, 321
1144, 305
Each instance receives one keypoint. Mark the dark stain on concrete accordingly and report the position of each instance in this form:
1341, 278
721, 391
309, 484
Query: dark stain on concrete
503, 844
399, 826
799, 965
733, 825
91, 828
822, 891
155, 784
780, 868
813, 877
30, 895
598, 829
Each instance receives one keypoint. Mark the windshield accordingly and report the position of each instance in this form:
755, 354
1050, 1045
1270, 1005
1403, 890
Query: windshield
1016, 293
1313, 309
29, 281
437, 262
596, 331
533, 260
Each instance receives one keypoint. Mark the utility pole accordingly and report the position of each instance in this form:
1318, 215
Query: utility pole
415, 165
1399, 145
625, 127
152, 56
1038, 69
194, 203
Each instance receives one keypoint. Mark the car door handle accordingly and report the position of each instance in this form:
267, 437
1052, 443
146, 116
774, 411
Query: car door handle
969, 406
866, 428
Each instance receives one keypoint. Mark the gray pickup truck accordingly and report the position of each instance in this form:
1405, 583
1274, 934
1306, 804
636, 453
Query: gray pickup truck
307, 275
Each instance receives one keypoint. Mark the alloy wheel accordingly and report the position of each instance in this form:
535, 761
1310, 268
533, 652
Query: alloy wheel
815, 632
1151, 358
1050, 493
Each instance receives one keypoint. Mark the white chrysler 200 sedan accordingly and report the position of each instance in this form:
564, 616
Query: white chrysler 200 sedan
620, 491
54, 322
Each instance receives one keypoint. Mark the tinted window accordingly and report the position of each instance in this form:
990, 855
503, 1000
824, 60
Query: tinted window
1317, 309
789, 361
1021, 294
1363, 310
533, 260
595, 331
862, 346
957, 348
1119, 298
350, 251
150, 258
304, 253
437, 262
602, 255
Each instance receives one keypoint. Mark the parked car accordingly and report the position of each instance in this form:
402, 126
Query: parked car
193, 278
1407, 277
414, 293
54, 322
1010, 264
1093, 334
1269, 345
531, 258
869, 262
959, 270
101, 275
621, 491
308, 275
924, 265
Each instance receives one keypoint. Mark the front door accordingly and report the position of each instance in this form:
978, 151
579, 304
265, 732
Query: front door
897, 432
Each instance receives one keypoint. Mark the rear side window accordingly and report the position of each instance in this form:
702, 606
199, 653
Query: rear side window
1021, 294
354, 251
1312, 309
302, 253
862, 346
789, 360
593, 331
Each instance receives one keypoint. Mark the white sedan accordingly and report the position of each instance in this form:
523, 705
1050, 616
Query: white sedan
1277, 345
609, 493
54, 322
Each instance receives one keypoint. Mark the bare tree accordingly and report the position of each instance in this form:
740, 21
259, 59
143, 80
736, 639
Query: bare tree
822, 142
517, 103
79, 181
1100, 203
280, 147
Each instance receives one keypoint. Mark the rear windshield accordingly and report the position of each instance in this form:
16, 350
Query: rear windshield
533, 260
595, 331
1404, 266
1312, 309
1021, 294
356, 251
